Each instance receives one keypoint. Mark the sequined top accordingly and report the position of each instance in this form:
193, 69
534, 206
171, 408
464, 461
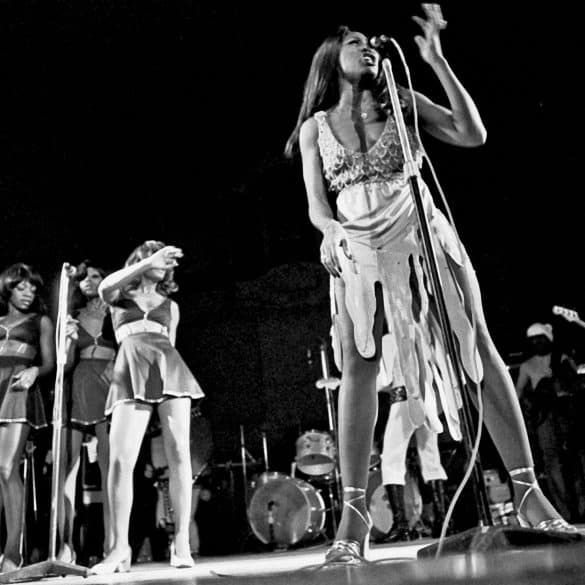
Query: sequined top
343, 167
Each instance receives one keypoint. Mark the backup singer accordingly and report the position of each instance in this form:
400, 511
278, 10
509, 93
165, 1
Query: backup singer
349, 145
92, 354
148, 373
27, 353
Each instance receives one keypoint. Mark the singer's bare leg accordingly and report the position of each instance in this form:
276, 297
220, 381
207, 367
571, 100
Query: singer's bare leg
175, 420
13, 438
129, 424
103, 459
503, 416
358, 405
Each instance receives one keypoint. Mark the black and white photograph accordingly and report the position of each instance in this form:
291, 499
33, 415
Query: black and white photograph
291, 294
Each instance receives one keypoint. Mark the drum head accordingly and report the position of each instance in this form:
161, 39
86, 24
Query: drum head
281, 511
316, 453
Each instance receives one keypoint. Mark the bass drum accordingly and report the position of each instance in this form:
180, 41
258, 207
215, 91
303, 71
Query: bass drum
379, 507
285, 510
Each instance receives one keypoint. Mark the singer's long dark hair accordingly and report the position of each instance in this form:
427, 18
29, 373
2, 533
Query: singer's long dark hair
322, 85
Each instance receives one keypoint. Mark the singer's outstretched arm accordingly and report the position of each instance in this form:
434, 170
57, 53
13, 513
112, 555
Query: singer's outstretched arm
164, 259
461, 123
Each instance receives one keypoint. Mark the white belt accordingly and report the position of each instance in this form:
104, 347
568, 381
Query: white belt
15, 348
97, 352
142, 326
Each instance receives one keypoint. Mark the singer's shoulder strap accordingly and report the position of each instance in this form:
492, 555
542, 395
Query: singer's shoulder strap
322, 126
320, 117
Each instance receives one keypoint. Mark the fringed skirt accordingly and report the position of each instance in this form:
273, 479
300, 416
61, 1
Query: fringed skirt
413, 353
149, 369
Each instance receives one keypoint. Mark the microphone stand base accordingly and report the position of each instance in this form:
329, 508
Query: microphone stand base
481, 539
48, 568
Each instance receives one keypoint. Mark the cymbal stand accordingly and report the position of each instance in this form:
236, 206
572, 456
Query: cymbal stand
329, 384
265, 450
243, 455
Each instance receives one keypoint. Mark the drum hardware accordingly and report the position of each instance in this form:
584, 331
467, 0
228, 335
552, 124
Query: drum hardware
329, 384
246, 456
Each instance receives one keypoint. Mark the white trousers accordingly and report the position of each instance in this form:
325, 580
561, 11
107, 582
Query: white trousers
399, 430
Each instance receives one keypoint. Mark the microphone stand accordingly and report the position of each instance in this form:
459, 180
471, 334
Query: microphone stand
53, 567
411, 172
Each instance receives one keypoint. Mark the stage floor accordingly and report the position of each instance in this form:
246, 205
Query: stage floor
395, 564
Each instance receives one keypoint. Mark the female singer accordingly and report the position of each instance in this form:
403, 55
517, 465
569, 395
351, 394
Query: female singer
372, 250
27, 353
148, 373
92, 353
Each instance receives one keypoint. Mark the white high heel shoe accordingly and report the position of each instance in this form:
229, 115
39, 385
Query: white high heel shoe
180, 562
121, 565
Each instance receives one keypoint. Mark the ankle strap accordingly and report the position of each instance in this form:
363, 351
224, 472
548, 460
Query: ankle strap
530, 484
520, 471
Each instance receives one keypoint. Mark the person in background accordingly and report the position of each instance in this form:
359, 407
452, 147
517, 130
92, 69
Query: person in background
545, 386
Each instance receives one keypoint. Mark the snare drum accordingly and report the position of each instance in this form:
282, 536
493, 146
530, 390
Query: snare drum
316, 453
285, 510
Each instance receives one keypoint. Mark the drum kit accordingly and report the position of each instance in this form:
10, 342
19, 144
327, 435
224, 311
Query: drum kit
290, 510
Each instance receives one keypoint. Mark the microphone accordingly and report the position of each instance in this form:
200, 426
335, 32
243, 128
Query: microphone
380, 42
70, 270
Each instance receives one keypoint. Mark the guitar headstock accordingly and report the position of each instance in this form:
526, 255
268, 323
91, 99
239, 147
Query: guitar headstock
567, 314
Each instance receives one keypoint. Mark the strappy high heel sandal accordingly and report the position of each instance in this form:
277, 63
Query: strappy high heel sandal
552, 524
349, 551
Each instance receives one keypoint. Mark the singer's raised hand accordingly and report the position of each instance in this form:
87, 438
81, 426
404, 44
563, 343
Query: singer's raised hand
430, 44
166, 258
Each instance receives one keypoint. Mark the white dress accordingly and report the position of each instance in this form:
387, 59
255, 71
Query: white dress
377, 211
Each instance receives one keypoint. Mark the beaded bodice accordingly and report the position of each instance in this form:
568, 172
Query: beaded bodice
343, 167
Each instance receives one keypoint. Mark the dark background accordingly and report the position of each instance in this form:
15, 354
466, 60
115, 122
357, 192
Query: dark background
131, 120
